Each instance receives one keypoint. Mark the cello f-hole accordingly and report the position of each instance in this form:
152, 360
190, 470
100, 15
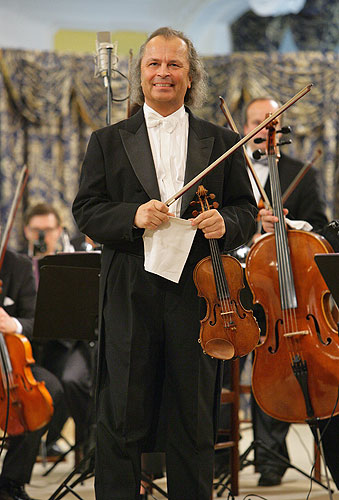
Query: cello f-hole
317, 329
271, 349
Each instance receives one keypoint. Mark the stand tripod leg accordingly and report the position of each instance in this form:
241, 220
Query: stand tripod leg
322, 454
147, 480
287, 462
223, 482
59, 459
59, 493
258, 443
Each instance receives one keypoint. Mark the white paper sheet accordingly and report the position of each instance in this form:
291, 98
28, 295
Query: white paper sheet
166, 248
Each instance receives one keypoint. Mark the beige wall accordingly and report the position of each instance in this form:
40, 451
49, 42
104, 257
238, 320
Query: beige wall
84, 41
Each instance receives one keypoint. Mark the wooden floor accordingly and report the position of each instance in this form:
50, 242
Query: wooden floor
294, 485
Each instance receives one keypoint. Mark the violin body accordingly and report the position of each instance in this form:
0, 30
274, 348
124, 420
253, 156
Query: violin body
30, 403
226, 331
312, 335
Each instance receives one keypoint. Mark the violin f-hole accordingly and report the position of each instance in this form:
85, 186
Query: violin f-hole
237, 310
214, 321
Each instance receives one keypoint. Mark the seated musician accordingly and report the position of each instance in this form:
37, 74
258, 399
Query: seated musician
69, 360
17, 302
305, 209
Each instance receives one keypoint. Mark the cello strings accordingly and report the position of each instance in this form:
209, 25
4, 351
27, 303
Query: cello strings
286, 283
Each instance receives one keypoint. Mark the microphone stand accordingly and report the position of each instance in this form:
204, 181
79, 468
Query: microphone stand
109, 89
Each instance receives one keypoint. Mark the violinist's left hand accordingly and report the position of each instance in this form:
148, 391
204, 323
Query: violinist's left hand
268, 219
211, 223
7, 323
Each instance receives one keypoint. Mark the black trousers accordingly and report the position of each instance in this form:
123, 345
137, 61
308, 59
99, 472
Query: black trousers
23, 449
154, 367
272, 433
71, 363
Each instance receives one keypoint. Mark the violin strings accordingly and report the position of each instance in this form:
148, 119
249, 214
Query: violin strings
221, 283
218, 271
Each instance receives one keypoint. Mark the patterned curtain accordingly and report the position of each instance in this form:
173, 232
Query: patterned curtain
241, 77
50, 103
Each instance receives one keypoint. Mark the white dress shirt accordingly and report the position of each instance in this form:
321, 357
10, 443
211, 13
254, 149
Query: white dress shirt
262, 170
168, 137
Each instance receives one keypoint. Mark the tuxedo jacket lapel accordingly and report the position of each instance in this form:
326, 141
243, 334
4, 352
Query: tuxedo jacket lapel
198, 156
137, 146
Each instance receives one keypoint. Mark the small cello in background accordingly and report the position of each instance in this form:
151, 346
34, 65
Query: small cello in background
228, 330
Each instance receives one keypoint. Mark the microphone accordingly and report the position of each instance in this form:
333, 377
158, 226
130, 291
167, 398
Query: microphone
104, 49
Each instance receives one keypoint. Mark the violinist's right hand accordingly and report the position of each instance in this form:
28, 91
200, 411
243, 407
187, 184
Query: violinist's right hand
151, 214
7, 323
268, 219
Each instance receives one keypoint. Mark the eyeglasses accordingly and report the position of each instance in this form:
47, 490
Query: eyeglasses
46, 230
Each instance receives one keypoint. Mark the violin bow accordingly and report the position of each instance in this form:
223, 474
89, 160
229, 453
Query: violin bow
233, 126
240, 143
14, 207
300, 175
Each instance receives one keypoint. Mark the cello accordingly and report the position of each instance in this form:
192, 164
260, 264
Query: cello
228, 330
25, 404
295, 375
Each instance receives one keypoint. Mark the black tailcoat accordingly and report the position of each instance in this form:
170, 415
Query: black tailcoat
149, 353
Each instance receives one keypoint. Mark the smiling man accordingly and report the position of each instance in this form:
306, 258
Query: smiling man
150, 361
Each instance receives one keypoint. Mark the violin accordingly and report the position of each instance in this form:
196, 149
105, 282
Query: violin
228, 330
25, 404
295, 374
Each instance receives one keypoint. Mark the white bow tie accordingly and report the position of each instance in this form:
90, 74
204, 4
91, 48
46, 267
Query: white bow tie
168, 122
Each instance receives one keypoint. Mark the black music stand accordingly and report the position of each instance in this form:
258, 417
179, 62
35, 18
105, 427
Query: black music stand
68, 296
67, 308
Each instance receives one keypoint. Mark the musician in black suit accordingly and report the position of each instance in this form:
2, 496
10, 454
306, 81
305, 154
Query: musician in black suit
305, 205
70, 360
17, 303
150, 362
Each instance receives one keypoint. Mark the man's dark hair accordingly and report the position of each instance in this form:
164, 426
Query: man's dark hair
196, 95
41, 209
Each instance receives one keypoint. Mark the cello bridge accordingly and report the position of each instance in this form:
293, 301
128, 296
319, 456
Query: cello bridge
293, 334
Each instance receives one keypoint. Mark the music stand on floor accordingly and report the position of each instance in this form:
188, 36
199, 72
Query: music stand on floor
67, 308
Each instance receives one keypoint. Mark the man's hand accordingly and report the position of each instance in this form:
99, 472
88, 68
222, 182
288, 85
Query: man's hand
7, 323
151, 214
211, 223
268, 219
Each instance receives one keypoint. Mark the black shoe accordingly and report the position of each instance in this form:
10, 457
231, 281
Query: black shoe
10, 490
269, 479
53, 454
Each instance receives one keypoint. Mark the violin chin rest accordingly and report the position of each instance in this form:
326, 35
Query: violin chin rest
219, 348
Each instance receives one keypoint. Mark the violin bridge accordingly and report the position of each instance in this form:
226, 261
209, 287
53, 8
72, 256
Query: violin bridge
293, 334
